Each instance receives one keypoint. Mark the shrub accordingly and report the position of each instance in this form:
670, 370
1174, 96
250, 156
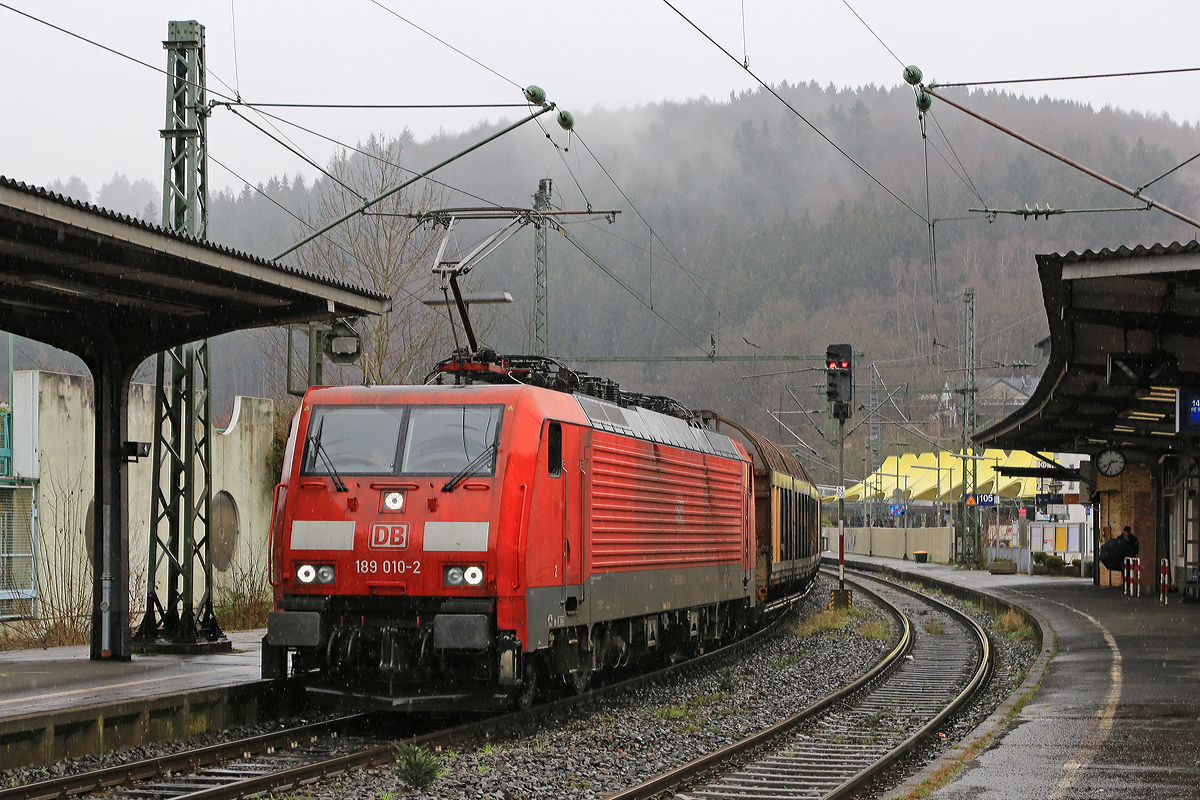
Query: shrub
242, 604
418, 767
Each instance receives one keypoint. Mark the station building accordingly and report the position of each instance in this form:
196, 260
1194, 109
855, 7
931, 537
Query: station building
1122, 385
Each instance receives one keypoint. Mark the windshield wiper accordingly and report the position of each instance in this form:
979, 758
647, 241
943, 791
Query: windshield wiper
314, 442
475, 464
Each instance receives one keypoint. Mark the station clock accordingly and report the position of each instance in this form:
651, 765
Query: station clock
1110, 462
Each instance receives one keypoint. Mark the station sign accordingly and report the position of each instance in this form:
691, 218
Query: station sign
1047, 499
981, 500
1187, 410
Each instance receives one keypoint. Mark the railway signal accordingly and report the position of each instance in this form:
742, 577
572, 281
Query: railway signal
839, 389
839, 379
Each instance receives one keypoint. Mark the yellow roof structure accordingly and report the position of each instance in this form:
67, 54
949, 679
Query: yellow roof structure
934, 474
923, 474
986, 477
930, 476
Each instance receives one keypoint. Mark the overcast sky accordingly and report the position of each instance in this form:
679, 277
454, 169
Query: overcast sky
69, 108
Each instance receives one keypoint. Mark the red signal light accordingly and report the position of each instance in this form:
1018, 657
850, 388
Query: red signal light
845, 365
832, 365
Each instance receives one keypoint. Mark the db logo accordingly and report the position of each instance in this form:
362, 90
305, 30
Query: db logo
389, 536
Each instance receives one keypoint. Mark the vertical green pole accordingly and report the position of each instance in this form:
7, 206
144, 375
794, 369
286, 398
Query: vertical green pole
541, 295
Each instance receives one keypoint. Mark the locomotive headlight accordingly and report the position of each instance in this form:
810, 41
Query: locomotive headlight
454, 576
325, 573
394, 501
306, 573
473, 575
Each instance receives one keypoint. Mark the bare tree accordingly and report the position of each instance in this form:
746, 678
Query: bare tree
383, 251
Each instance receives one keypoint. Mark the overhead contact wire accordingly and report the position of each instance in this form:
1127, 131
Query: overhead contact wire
475, 61
296, 152
106, 48
297, 217
873, 33
645, 222
1137, 74
970, 183
793, 109
408, 106
375, 156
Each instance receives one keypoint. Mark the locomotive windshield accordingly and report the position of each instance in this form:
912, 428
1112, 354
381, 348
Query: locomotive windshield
400, 440
360, 440
443, 440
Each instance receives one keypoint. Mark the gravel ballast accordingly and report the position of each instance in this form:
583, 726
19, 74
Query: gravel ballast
618, 742
622, 741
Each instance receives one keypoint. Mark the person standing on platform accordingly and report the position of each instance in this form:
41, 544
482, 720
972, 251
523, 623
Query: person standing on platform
1131, 543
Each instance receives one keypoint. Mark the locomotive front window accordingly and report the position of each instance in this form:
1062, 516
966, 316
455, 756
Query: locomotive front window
357, 440
443, 440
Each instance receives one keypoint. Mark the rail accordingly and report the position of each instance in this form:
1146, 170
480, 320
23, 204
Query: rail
223, 784
826, 765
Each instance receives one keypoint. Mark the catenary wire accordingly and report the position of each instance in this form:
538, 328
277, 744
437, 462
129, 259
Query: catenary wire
1142, 188
645, 222
237, 78
966, 174
873, 33
445, 43
94, 43
931, 233
1068, 77
297, 152
559, 151
641, 249
793, 109
297, 217
404, 106
964, 181
375, 156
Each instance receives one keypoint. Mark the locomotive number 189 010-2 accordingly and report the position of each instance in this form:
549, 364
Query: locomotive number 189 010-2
372, 567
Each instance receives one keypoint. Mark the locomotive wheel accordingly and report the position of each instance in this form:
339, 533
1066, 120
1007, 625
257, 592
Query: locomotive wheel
527, 692
579, 681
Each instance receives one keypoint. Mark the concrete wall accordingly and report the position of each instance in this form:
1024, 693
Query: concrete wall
894, 542
59, 434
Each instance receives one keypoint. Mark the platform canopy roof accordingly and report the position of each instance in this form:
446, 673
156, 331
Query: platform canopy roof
70, 272
1124, 303
114, 290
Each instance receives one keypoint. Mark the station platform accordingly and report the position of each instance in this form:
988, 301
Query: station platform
1115, 704
58, 678
58, 703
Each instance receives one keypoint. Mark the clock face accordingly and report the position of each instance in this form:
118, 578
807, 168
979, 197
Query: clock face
1110, 463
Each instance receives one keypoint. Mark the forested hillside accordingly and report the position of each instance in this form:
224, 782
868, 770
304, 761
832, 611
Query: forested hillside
782, 244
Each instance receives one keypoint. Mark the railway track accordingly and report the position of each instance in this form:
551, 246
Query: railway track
836, 746
287, 760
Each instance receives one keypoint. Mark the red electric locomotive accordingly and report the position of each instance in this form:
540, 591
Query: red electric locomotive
456, 546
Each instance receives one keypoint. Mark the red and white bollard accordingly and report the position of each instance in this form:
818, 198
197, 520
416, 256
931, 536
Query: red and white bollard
1128, 584
1164, 581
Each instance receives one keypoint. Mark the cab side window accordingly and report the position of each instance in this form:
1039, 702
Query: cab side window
554, 454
